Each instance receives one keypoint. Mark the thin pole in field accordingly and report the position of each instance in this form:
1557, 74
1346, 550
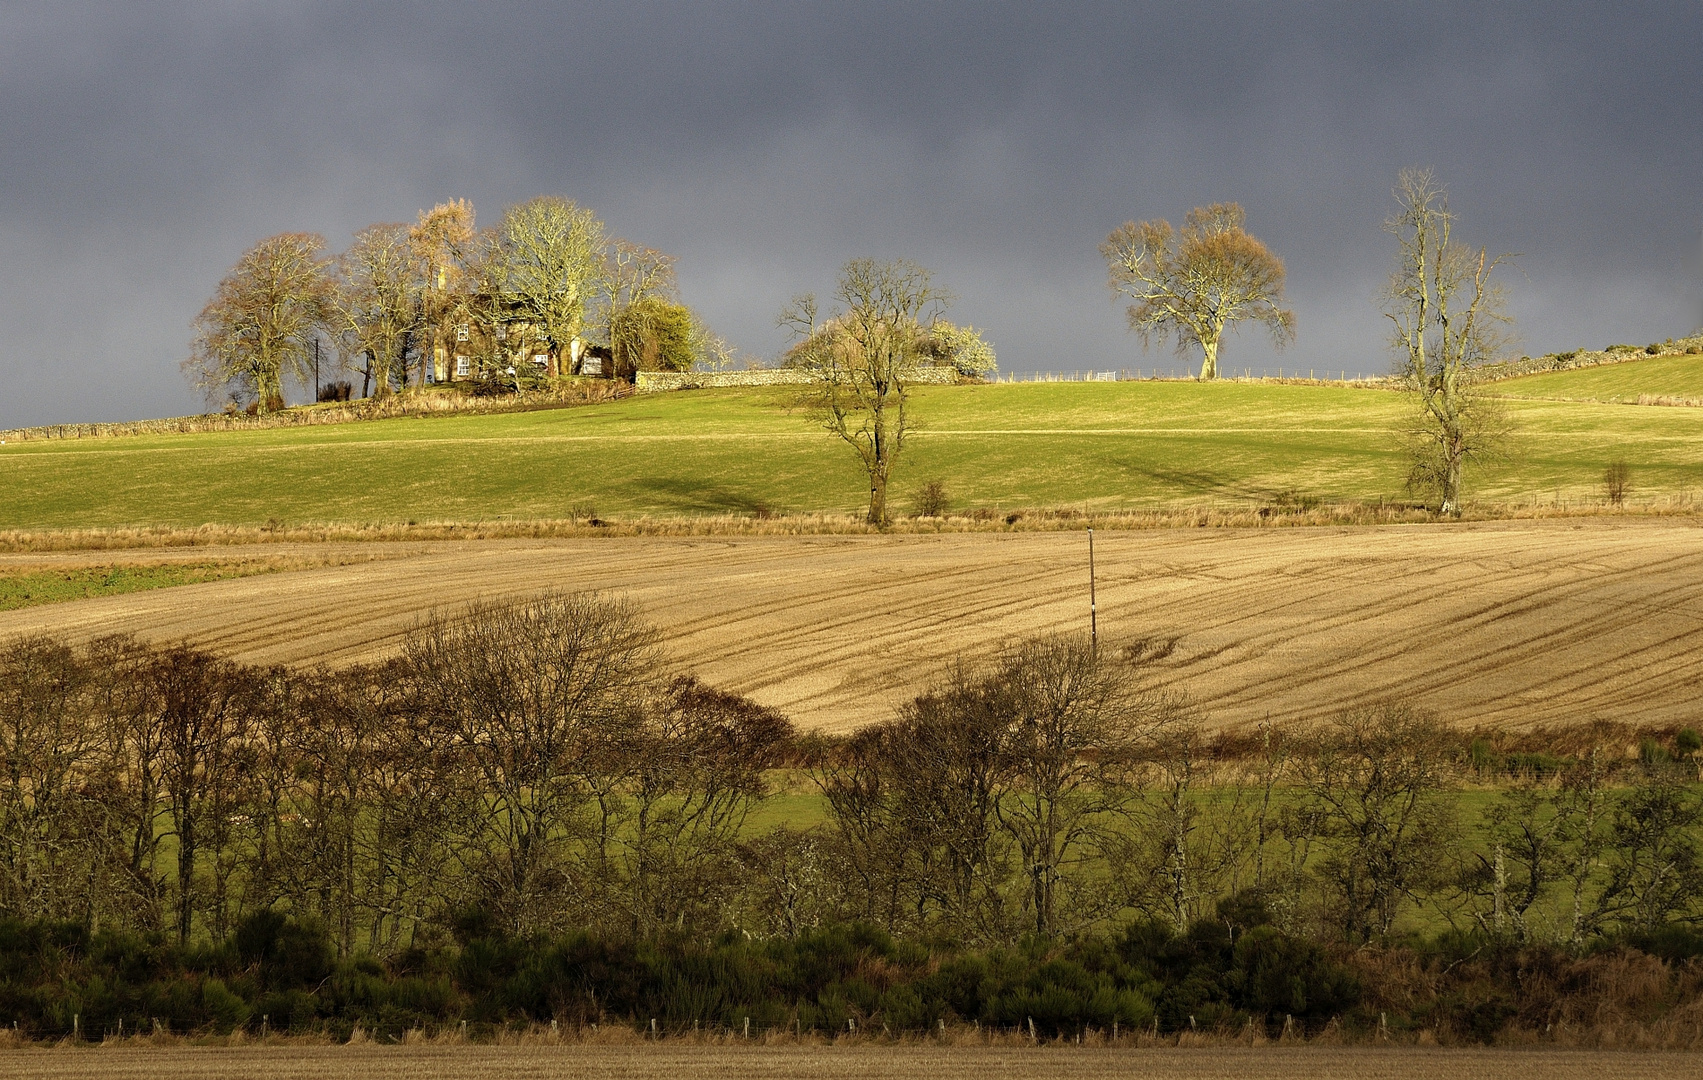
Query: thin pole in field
1093, 604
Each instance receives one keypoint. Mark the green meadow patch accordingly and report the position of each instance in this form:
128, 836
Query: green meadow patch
1678, 376
20, 590
1090, 446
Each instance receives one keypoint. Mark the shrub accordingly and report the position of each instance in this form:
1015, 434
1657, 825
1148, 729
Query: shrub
930, 499
282, 951
963, 348
1693, 350
1616, 480
1652, 349
651, 335
1687, 742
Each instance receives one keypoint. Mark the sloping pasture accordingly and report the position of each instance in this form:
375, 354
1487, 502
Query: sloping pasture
754, 452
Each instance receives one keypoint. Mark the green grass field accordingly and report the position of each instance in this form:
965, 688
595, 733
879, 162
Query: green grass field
54, 586
1091, 446
1673, 376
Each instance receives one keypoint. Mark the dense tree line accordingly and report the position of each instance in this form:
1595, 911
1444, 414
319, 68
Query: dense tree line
530, 779
545, 294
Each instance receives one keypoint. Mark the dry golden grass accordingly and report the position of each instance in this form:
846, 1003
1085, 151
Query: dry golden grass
1502, 624
1240, 516
927, 1061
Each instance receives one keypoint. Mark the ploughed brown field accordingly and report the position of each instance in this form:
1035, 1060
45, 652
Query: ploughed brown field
1505, 623
852, 1062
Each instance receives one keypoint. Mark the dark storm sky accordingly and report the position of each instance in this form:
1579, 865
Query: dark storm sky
144, 146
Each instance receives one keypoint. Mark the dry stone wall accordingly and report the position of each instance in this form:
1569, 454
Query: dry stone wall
651, 382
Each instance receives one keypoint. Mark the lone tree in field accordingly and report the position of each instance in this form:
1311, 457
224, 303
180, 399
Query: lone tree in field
1449, 319
862, 357
1193, 285
261, 321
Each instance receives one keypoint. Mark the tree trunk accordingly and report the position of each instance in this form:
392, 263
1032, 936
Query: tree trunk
1209, 359
185, 879
882, 454
1452, 484
877, 500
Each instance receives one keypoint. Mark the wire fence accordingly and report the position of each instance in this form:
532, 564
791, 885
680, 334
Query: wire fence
144, 1028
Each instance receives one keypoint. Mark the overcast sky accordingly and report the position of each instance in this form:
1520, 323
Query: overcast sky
143, 147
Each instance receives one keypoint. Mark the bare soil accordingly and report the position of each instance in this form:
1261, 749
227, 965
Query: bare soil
922, 1062
1510, 623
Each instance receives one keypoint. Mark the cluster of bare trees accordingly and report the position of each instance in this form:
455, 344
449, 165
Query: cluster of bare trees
533, 761
536, 762
1054, 793
544, 294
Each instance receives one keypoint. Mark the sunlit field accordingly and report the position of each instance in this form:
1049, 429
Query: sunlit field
1087, 446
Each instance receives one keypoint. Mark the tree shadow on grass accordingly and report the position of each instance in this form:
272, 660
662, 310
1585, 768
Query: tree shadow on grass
692, 497
1192, 481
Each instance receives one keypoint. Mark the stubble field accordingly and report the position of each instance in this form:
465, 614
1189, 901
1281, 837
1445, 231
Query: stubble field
1505, 623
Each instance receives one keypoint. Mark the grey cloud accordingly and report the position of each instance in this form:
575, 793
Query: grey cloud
142, 147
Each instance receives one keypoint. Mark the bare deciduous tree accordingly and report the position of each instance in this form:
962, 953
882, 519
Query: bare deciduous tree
1374, 781
259, 325
529, 691
1185, 847
203, 719
376, 303
1077, 723
697, 764
631, 273
47, 739
862, 357
545, 259
1449, 318
449, 256
1195, 285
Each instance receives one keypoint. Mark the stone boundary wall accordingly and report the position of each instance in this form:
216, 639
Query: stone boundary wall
584, 392
652, 382
1579, 358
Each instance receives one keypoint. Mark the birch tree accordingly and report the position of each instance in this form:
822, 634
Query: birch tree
1194, 285
1449, 318
863, 356
259, 325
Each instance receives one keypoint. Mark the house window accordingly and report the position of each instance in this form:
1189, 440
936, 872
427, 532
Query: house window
461, 332
542, 360
502, 332
461, 367
591, 365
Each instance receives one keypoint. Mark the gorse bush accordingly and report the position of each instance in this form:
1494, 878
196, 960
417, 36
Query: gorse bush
281, 973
